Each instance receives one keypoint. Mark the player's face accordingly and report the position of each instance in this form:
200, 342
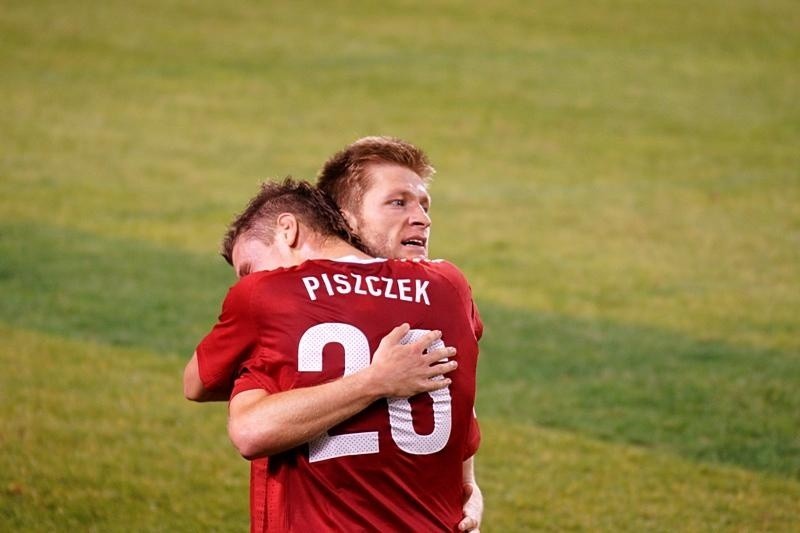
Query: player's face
252, 255
393, 221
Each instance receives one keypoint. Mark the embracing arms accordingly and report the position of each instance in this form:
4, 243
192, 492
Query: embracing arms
263, 424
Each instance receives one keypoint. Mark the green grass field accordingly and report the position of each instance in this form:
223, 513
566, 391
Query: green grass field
619, 180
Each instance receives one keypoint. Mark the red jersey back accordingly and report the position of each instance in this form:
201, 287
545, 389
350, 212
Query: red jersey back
398, 463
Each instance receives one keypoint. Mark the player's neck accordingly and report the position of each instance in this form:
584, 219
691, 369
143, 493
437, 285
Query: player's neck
334, 249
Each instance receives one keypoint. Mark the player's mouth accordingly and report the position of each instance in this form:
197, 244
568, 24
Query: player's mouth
419, 242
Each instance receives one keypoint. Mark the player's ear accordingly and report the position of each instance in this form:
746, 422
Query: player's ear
350, 218
286, 229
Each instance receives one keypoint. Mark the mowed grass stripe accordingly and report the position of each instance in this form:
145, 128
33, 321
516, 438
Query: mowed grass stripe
97, 438
545, 480
133, 455
117, 291
623, 94
703, 399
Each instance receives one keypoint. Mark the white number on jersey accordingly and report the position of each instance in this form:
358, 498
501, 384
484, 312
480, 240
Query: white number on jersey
357, 357
400, 420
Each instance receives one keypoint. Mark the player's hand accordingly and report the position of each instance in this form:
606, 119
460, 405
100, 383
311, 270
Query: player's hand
473, 509
403, 370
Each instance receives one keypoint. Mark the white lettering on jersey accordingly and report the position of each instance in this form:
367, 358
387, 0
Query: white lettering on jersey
370, 287
387, 293
408, 290
342, 284
404, 287
312, 284
358, 289
422, 290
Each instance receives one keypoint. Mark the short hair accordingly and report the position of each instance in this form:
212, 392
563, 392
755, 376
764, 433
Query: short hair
310, 205
344, 176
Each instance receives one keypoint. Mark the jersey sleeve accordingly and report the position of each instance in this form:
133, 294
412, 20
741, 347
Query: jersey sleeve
245, 382
231, 340
255, 374
473, 438
477, 323
457, 279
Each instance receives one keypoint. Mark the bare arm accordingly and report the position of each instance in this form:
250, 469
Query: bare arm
473, 499
263, 424
193, 388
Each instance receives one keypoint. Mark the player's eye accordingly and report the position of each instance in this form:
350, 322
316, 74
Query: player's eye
397, 202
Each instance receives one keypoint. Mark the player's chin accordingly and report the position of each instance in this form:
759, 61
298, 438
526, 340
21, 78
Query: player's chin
411, 252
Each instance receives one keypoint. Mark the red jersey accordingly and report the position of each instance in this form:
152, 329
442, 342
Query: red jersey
398, 463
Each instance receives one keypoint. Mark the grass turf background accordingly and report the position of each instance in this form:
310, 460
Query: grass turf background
619, 180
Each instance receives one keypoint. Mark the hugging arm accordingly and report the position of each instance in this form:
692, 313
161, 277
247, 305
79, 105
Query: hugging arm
262, 424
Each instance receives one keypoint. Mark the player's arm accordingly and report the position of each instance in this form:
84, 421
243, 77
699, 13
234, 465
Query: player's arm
473, 499
262, 424
209, 374
193, 388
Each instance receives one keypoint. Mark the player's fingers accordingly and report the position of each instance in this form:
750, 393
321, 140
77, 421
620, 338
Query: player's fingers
441, 369
426, 340
396, 335
448, 352
431, 385
468, 524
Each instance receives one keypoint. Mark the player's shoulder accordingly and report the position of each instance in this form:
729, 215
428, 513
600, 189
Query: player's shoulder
246, 284
438, 268
443, 266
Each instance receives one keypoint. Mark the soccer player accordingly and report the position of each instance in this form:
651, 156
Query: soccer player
307, 334
381, 187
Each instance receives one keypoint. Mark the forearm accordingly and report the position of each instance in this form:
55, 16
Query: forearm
473, 498
263, 424
468, 470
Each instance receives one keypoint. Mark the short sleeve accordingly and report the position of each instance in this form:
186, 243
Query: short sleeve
475, 317
231, 340
457, 279
473, 438
245, 382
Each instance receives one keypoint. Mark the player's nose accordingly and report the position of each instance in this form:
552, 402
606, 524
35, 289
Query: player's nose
420, 217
